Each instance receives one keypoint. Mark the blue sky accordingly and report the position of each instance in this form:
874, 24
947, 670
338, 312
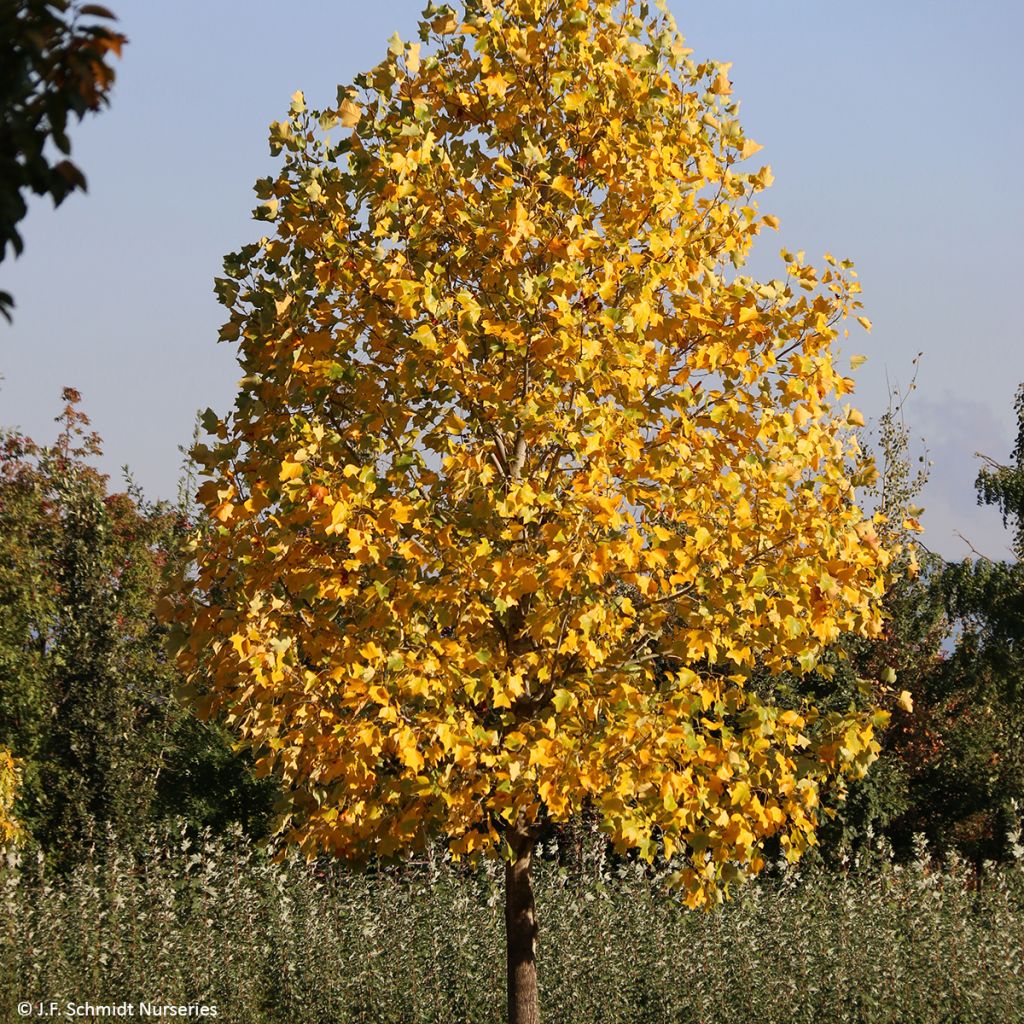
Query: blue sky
892, 130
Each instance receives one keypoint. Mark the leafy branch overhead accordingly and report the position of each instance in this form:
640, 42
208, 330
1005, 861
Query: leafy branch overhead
525, 474
53, 64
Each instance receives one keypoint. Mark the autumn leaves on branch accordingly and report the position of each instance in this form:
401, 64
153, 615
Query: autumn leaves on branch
525, 474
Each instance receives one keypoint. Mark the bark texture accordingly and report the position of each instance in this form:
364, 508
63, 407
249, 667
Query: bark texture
521, 934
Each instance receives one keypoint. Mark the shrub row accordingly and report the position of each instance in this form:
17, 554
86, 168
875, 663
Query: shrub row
212, 921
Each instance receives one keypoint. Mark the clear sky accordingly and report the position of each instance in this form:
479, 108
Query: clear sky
892, 128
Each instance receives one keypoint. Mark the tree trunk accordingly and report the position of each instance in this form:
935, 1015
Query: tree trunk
521, 934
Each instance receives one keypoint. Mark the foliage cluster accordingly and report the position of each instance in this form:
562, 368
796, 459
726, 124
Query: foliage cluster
949, 768
908, 648
213, 921
10, 779
86, 687
950, 765
53, 65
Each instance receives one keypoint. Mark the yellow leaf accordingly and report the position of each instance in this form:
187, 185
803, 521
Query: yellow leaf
864, 322
905, 701
445, 24
562, 184
722, 85
642, 313
750, 147
856, 362
495, 85
349, 113
412, 59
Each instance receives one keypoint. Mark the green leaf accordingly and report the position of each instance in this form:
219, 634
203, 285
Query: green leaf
226, 290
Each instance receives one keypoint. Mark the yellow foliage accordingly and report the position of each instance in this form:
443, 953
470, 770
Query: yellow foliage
541, 473
10, 829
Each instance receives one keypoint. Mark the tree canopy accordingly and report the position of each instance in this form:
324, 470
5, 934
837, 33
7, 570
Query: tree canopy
525, 474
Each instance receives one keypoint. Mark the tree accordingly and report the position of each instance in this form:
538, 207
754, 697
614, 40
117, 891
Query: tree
86, 687
53, 63
976, 768
525, 475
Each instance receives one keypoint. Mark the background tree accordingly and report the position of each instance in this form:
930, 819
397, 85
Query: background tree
86, 688
53, 64
525, 475
951, 766
974, 770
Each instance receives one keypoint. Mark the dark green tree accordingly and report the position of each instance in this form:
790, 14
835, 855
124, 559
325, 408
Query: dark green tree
86, 690
978, 768
951, 767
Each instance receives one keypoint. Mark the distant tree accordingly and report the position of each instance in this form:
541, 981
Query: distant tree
53, 64
978, 763
952, 765
525, 475
86, 691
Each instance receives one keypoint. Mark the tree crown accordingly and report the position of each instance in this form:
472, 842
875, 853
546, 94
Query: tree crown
525, 474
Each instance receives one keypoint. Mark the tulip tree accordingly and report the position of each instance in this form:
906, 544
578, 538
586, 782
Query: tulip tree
525, 474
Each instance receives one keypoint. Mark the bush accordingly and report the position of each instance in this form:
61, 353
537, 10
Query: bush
215, 922
86, 686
